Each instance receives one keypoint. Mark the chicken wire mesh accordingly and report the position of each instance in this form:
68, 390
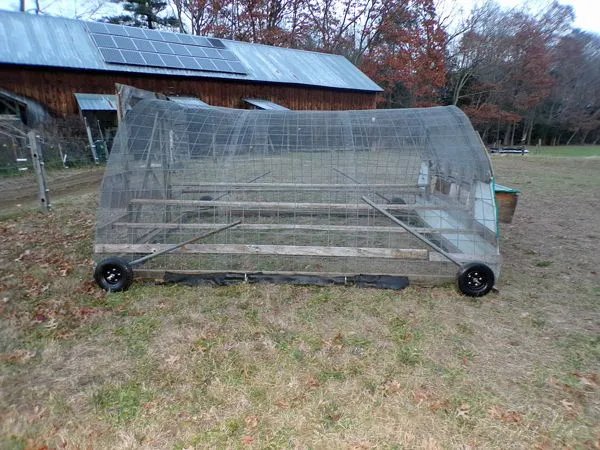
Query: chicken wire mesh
298, 182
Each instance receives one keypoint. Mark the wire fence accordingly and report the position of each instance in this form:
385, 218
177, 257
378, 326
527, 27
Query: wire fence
56, 152
33, 163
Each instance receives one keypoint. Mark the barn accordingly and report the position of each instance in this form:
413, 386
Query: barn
67, 67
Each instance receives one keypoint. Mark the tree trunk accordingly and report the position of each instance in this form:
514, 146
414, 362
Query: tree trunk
512, 135
572, 136
584, 137
485, 133
507, 135
22, 5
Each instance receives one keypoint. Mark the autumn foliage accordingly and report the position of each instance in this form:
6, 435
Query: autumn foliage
519, 75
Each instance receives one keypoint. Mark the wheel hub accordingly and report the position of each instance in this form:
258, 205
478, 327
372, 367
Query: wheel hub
476, 280
113, 275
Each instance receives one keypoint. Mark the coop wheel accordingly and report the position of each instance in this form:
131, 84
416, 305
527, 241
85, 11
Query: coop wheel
475, 279
113, 274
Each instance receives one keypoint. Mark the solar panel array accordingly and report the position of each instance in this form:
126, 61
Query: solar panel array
143, 47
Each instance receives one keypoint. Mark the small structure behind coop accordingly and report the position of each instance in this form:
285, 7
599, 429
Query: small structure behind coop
506, 199
336, 194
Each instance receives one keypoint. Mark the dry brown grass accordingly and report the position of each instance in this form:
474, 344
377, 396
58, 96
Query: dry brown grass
282, 366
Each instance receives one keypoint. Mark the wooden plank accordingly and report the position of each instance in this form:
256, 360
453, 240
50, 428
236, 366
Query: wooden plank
291, 206
421, 279
297, 186
208, 190
282, 250
292, 227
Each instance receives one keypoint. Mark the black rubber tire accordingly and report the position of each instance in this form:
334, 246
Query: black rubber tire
113, 274
475, 279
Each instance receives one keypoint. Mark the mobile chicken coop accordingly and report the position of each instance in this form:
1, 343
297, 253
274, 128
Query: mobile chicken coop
337, 197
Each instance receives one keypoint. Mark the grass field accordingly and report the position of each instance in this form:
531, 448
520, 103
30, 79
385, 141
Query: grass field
247, 366
571, 151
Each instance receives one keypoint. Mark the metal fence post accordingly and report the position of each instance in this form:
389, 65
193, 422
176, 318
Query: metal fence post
38, 164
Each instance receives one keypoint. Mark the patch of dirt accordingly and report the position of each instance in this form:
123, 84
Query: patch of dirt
24, 190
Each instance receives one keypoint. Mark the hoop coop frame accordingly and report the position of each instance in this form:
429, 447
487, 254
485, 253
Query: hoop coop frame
334, 196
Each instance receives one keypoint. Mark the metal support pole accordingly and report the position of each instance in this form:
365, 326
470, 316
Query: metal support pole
413, 232
38, 165
143, 259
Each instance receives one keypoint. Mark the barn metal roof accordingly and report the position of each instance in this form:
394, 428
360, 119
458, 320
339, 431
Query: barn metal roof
259, 103
189, 101
96, 102
34, 40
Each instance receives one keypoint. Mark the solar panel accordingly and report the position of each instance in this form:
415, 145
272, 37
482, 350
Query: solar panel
197, 51
201, 41
187, 39
119, 30
96, 27
217, 43
124, 43
169, 37
112, 55
226, 54
133, 57
153, 35
222, 65
162, 47
103, 40
189, 63
206, 64
172, 61
143, 47
179, 49
135, 32
153, 59
212, 53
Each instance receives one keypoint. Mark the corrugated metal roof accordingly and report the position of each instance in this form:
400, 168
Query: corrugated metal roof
35, 113
27, 39
189, 101
265, 104
96, 102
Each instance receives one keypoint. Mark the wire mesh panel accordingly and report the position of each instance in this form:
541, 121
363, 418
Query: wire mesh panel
299, 182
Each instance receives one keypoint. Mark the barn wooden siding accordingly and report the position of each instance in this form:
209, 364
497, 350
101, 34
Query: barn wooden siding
55, 88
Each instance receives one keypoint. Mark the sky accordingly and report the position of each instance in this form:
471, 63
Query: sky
587, 12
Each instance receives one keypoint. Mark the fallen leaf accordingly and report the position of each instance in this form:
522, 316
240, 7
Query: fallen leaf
281, 403
391, 387
567, 405
463, 411
251, 421
590, 380
504, 416
420, 396
247, 440
311, 381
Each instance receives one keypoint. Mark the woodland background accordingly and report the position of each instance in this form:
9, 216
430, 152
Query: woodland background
522, 76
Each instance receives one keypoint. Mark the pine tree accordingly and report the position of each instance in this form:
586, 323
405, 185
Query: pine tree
143, 13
